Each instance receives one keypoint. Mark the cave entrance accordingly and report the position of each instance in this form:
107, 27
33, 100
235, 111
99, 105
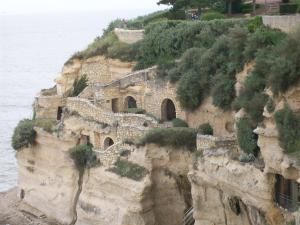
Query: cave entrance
59, 113
168, 110
287, 193
108, 142
130, 102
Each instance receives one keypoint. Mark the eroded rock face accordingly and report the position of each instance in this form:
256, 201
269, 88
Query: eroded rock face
228, 192
47, 176
98, 69
48, 180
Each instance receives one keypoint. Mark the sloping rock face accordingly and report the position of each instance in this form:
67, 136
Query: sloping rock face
47, 178
48, 182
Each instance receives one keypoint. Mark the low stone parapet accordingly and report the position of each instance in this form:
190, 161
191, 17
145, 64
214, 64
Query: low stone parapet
129, 36
286, 23
88, 110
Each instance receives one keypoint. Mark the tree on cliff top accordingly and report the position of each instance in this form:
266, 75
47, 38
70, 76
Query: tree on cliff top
212, 4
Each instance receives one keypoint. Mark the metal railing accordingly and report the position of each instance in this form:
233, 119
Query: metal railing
188, 218
287, 202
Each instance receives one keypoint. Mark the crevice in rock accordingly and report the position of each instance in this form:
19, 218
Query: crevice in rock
223, 205
77, 195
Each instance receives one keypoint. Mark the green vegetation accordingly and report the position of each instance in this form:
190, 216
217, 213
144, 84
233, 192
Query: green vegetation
79, 86
135, 111
46, 124
83, 156
176, 137
288, 126
247, 140
205, 129
179, 123
24, 134
110, 46
288, 8
270, 105
212, 16
130, 170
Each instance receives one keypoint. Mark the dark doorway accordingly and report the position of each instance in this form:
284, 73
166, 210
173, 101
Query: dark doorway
59, 113
130, 102
168, 110
108, 142
287, 193
115, 105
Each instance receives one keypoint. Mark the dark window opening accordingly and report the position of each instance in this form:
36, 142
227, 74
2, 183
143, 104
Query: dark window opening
59, 113
130, 102
287, 193
108, 142
168, 110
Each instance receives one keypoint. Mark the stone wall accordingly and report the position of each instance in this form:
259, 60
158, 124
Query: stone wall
88, 110
46, 107
286, 23
129, 36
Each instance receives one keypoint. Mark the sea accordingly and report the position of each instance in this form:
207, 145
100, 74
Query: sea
33, 49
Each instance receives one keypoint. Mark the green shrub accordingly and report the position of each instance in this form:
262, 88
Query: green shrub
130, 170
79, 86
24, 134
270, 105
288, 126
179, 123
205, 129
46, 124
284, 69
288, 8
83, 156
212, 16
176, 137
135, 111
255, 23
247, 140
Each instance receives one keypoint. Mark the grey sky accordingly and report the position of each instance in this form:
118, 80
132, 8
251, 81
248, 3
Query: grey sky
39, 6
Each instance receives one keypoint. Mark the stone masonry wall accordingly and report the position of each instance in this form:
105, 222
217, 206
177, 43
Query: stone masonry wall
286, 23
129, 36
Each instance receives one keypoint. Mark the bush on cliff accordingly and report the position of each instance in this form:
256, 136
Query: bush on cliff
179, 123
46, 124
130, 170
288, 126
83, 156
176, 137
247, 140
24, 134
205, 129
79, 85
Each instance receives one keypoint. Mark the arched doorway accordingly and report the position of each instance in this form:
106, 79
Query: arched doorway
168, 110
130, 102
108, 142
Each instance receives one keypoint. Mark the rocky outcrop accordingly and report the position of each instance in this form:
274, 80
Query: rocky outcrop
47, 175
235, 193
